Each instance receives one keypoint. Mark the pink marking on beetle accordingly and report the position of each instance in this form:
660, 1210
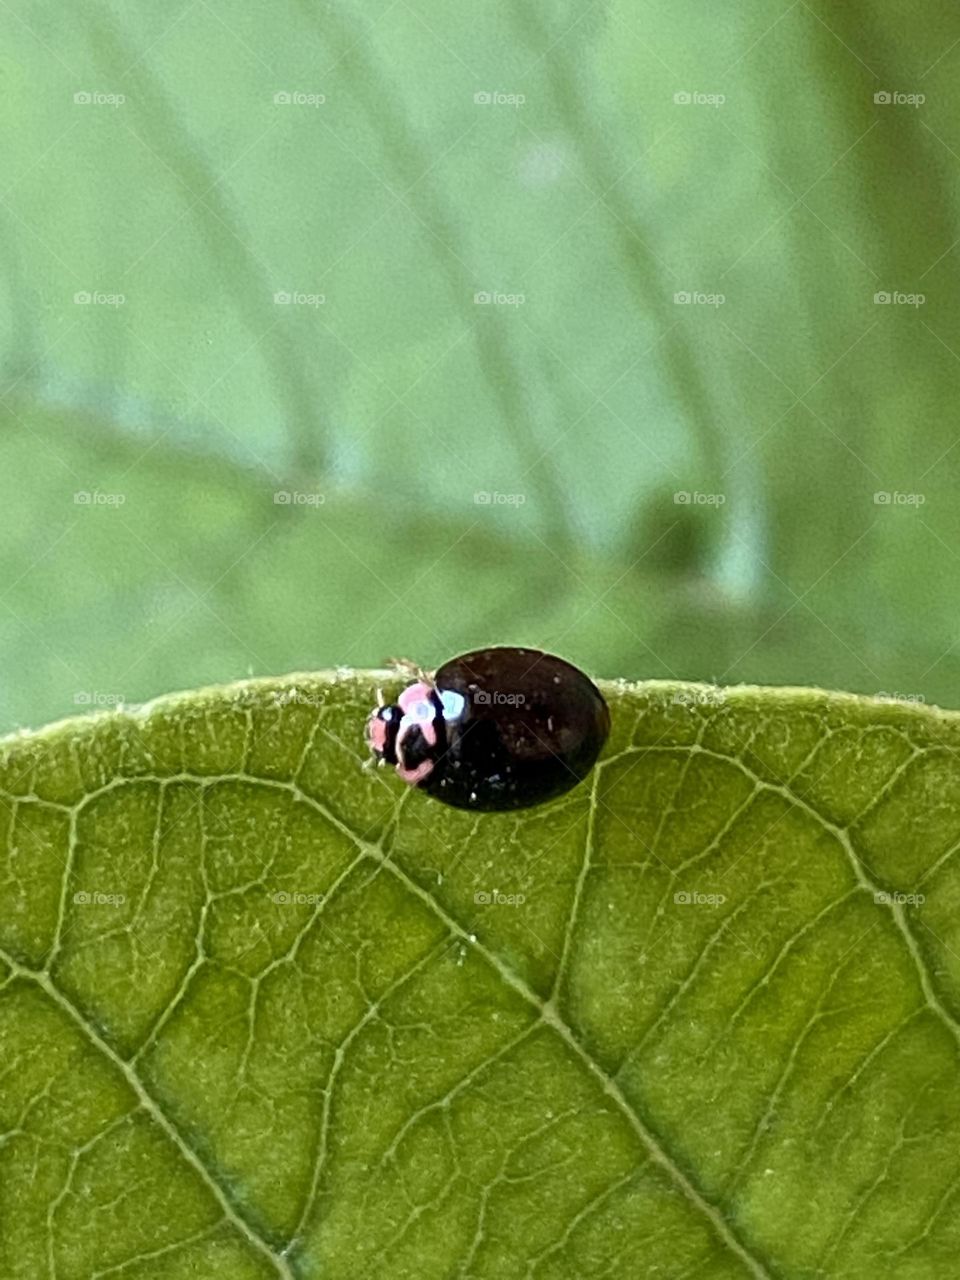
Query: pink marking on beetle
429, 730
414, 693
377, 733
410, 702
413, 776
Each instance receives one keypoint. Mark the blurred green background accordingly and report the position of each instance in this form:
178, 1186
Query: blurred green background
246, 252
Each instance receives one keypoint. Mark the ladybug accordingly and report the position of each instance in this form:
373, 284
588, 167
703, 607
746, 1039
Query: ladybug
495, 729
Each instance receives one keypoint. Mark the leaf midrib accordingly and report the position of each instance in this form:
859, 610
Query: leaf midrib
548, 1012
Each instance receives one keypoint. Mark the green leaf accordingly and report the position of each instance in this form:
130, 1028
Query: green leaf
266, 1013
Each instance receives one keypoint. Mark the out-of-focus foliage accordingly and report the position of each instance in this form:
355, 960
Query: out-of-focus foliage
580, 411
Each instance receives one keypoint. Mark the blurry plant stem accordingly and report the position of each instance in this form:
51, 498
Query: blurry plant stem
852, 450
240, 274
412, 163
21, 359
585, 135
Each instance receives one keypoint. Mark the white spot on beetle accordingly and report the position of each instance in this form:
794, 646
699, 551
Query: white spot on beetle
452, 703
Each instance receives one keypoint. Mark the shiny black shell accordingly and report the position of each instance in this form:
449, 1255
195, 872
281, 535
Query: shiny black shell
531, 727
